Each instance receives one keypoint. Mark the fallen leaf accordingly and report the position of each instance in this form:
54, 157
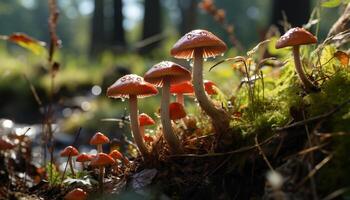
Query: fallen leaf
27, 42
342, 57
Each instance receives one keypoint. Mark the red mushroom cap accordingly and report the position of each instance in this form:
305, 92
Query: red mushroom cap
174, 73
176, 111
145, 120
4, 145
116, 155
99, 138
84, 157
211, 45
148, 138
295, 36
182, 88
208, 86
69, 151
76, 194
131, 84
102, 159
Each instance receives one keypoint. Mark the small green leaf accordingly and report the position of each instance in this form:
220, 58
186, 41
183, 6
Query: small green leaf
331, 3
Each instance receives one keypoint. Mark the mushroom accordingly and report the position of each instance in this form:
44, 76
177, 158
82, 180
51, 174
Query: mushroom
4, 145
116, 155
209, 87
83, 158
145, 120
181, 89
70, 152
76, 194
176, 111
199, 44
99, 139
133, 86
101, 160
163, 75
148, 138
295, 37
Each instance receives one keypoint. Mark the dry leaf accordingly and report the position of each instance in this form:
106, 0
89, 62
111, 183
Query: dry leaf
342, 57
23, 40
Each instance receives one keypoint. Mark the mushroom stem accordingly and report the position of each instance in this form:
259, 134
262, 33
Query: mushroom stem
142, 131
83, 165
168, 133
218, 116
99, 148
180, 98
101, 168
135, 126
308, 85
71, 165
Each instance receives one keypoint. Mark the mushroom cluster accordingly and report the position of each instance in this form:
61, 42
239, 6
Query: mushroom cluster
99, 161
176, 79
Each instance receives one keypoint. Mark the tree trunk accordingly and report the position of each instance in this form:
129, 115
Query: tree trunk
97, 29
188, 12
118, 37
296, 11
152, 24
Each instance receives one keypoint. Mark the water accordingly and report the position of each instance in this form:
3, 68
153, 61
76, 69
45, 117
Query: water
205, 59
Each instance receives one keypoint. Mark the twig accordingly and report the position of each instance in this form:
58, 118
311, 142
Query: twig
336, 193
33, 90
314, 170
243, 149
262, 153
325, 115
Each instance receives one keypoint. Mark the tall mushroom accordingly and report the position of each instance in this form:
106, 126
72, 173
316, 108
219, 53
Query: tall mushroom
145, 120
163, 75
133, 86
99, 139
181, 89
70, 152
199, 44
295, 37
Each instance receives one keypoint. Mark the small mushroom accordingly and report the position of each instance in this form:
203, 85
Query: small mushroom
209, 87
176, 111
76, 194
148, 138
5, 145
145, 120
99, 139
163, 75
199, 44
181, 89
116, 155
295, 37
83, 158
101, 161
133, 86
70, 152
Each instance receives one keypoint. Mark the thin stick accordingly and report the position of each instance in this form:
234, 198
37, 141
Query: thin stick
325, 115
263, 154
314, 170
